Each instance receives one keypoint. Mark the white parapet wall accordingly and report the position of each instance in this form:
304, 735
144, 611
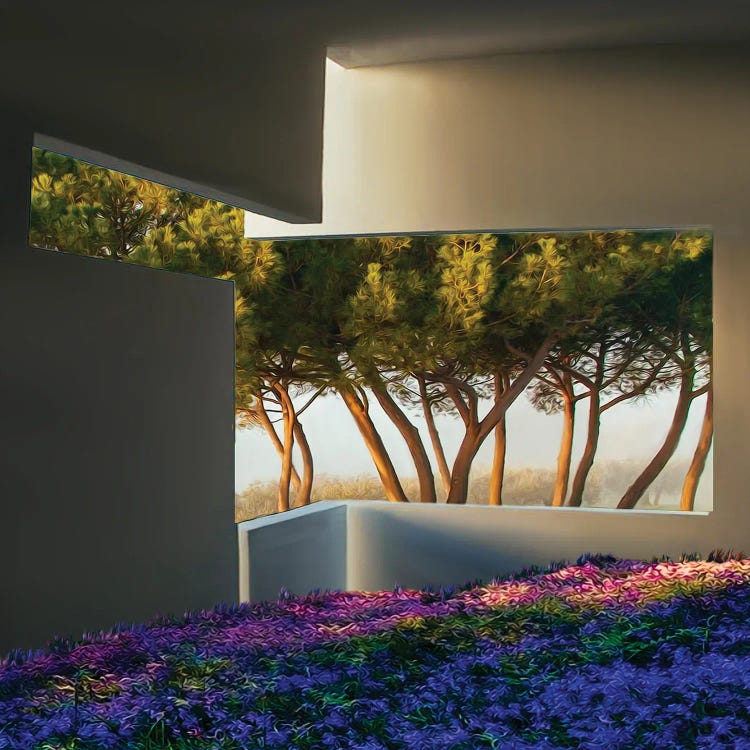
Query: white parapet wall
364, 545
300, 550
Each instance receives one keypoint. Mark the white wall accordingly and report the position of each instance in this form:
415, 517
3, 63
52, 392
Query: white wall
414, 545
306, 549
366, 545
645, 137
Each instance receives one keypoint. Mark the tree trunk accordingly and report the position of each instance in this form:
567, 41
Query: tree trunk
437, 445
413, 442
286, 461
459, 490
589, 451
271, 430
566, 451
634, 493
476, 433
305, 491
386, 471
690, 486
498, 464
501, 381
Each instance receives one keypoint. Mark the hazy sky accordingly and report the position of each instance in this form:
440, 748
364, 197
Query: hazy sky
629, 431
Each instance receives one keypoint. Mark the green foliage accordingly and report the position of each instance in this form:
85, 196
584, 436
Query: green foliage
82, 208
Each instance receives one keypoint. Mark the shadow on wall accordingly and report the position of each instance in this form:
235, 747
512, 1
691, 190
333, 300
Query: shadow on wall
426, 546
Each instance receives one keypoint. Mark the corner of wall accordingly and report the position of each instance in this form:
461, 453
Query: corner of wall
348, 574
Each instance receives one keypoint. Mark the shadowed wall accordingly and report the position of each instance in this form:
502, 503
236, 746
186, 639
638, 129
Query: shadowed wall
116, 435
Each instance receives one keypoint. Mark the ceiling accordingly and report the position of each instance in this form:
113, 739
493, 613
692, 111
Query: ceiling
226, 99
379, 32
426, 31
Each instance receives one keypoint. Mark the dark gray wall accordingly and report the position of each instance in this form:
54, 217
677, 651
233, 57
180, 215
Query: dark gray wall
224, 102
116, 435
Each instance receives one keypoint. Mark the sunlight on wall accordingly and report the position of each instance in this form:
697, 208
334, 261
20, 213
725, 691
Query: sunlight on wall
628, 438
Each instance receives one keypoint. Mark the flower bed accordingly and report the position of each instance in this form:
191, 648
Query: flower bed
604, 653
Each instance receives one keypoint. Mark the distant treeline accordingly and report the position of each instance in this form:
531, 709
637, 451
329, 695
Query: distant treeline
526, 486
428, 324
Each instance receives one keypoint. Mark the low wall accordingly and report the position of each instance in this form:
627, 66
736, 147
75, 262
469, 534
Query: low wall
414, 545
363, 545
300, 550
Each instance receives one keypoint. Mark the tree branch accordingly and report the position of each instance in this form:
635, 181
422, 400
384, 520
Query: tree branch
314, 396
641, 388
701, 391
516, 388
458, 400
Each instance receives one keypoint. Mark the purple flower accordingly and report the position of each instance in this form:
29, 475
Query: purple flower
603, 653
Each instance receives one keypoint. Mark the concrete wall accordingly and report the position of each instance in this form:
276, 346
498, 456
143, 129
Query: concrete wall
116, 434
414, 546
614, 138
645, 137
226, 104
365, 545
301, 550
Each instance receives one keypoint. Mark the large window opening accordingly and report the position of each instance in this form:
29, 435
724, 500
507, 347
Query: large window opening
536, 368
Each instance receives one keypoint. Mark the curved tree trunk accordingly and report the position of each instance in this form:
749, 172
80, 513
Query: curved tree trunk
498, 464
413, 441
305, 490
265, 420
386, 471
566, 451
459, 490
437, 445
501, 382
690, 486
634, 493
589, 451
286, 462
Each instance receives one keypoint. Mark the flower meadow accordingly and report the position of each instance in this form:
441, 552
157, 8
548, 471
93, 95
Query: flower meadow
602, 653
